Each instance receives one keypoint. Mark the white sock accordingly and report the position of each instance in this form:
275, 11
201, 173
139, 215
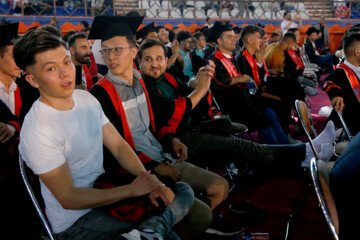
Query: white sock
328, 135
325, 153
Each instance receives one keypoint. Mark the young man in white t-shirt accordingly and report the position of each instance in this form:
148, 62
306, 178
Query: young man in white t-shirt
288, 23
62, 142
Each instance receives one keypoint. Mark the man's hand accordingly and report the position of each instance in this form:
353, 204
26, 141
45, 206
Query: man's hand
166, 170
164, 193
145, 183
180, 150
7, 131
338, 103
204, 76
175, 47
243, 79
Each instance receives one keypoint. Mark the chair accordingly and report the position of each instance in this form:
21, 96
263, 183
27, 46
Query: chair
346, 129
34, 200
307, 123
320, 175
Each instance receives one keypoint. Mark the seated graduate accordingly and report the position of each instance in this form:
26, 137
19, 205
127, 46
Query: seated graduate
62, 137
197, 54
231, 91
162, 86
10, 99
125, 102
343, 87
311, 49
344, 178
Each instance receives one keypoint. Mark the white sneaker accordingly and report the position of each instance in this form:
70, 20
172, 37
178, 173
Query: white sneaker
140, 235
132, 235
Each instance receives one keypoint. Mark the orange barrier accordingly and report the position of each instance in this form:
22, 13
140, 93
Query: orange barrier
336, 32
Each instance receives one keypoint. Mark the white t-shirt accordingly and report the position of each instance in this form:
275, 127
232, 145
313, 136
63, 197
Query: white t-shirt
49, 138
285, 23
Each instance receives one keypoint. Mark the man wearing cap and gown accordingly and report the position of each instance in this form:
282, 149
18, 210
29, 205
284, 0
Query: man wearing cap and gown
125, 102
9, 95
147, 32
14, 196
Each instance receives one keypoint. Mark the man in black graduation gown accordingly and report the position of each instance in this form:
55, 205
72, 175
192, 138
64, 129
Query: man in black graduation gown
343, 86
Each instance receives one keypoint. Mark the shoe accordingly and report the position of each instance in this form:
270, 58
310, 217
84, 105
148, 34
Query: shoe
310, 91
306, 82
245, 212
221, 227
141, 235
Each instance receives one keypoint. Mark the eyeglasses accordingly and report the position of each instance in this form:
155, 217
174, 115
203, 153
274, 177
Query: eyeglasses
117, 51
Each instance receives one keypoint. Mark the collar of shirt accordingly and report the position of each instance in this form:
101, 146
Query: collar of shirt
183, 54
121, 81
12, 86
354, 68
227, 55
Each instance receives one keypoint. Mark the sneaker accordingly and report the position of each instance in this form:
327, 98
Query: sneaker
306, 82
245, 212
141, 235
221, 227
310, 91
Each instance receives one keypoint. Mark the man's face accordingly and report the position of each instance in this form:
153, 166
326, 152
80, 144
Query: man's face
288, 17
254, 40
313, 36
186, 44
208, 21
151, 35
228, 40
289, 45
202, 42
81, 51
7, 63
264, 41
163, 35
121, 55
53, 74
153, 62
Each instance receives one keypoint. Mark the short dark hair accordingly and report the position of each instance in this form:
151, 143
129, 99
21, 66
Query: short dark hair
68, 35
74, 37
151, 43
349, 39
4, 49
197, 35
274, 34
158, 27
286, 13
207, 19
85, 23
32, 43
293, 30
249, 29
183, 35
289, 36
52, 29
353, 29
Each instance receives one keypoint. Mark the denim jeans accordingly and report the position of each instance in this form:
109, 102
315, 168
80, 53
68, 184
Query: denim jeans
99, 225
275, 133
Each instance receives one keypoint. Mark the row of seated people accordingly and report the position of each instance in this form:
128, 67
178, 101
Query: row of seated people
147, 120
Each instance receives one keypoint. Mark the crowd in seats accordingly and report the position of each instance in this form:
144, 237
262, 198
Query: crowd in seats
116, 121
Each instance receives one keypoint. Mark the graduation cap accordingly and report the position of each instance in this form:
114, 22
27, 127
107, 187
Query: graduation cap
311, 30
204, 30
236, 29
106, 27
7, 33
145, 30
218, 28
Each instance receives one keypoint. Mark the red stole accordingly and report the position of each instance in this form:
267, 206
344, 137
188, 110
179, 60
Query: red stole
267, 74
173, 82
296, 58
89, 81
352, 78
93, 70
229, 66
252, 61
110, 89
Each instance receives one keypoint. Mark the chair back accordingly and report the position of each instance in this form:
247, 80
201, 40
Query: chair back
306, 122
320, 175
34, 200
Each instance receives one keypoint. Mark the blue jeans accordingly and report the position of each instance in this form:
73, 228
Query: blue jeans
99, 225
326, 61
273, 134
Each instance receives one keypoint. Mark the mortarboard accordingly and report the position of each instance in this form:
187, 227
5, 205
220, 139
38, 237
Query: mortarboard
218, 28
237, 29
145, 30
311, 30
106, 27
7, 33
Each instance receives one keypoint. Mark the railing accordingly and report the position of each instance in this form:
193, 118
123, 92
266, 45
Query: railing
260, 9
